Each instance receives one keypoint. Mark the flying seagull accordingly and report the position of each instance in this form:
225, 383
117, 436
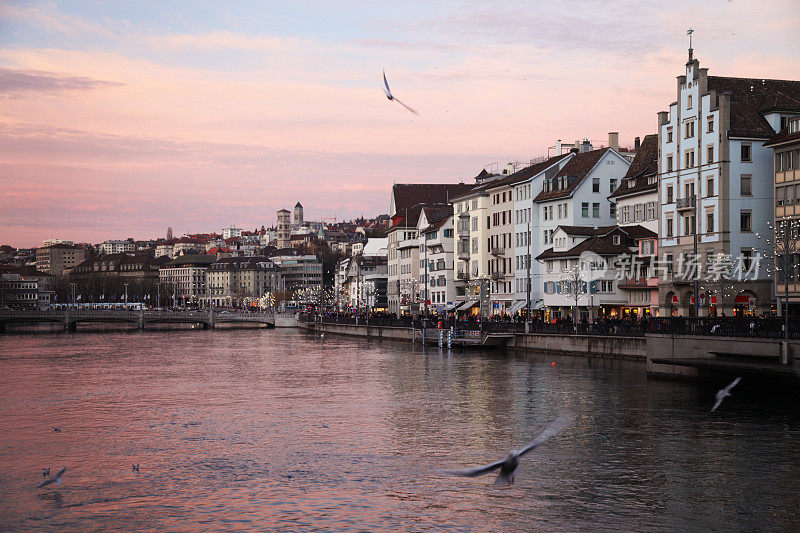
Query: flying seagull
390, 96
53, 479
135, 468
724, 393
509, 464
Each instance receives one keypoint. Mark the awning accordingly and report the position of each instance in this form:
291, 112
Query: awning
450, 307
466, 305
516, 307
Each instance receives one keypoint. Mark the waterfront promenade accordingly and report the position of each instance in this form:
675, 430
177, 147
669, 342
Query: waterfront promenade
682, 348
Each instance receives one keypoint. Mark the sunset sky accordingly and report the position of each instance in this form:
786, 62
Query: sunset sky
119, 119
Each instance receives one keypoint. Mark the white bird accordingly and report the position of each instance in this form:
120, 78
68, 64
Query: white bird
390, 96
321, 335
724, 393
53, 479
509, 464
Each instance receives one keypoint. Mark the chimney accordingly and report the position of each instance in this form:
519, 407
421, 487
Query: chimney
509, 168
637, 142
558, 147
585, 146
663, 117
613, 140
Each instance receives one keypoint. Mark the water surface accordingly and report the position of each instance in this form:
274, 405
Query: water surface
281, 430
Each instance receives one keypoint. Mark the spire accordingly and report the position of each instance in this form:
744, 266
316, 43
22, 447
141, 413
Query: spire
689, 33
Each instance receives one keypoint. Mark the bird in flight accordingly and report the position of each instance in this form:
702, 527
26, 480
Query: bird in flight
509, 464
53, 479
57, 429
724, 393
390, 96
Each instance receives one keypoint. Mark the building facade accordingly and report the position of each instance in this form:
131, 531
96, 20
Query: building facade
786, 147
59, 259
186, 277
716, 190
241, 281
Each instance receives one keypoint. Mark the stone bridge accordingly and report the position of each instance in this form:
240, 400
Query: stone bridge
72, 317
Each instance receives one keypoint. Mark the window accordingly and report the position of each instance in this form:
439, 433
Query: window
613, 186
565, 211
596, 210
596, 185
651, 211
616, 239
747, 185
669, 135
585, 209
689, 102
612, 209
710, 187
688, 224
710, 127
710, 154
670, 197
669, 163
474, 223
689, 159
689, 133
710, 222
747, 258
746, 222
746, 153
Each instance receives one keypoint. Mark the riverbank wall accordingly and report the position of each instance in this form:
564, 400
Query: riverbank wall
616, 347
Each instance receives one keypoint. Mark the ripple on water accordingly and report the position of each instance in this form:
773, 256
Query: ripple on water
276, 430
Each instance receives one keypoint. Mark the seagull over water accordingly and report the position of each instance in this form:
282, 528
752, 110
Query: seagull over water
52, 479
724, 393
509, 464
390, 96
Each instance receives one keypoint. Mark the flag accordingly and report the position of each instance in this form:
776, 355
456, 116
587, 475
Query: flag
79, 297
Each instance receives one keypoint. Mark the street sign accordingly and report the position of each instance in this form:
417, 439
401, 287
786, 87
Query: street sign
702, 298
751, 304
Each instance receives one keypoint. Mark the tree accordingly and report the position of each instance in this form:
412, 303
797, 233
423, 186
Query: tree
575, 288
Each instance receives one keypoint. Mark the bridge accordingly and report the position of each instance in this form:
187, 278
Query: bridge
70, 318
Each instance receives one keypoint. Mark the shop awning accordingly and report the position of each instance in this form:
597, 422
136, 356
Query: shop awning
450, 307
516, 307
466, 305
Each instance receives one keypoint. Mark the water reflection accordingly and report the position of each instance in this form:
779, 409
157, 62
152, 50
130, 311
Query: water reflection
282, 430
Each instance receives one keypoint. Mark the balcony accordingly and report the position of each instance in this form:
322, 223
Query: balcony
462, 228
463, 276
498, 250
684, 204
463, 251
496, 275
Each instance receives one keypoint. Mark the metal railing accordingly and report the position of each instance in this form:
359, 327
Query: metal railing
685, 203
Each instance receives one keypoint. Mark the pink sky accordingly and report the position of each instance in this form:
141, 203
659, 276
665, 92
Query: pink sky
110, 129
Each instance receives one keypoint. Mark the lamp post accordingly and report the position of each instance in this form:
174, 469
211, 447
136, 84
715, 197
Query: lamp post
126, 295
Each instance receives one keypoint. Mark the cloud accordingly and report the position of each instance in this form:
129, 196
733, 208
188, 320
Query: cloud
219, 40
16, 81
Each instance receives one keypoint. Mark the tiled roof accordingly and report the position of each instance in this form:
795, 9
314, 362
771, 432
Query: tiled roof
639, 232
586, 230
437, 217
407, 195
191, 259
644, 165
526, 173
244, 263
24, 270
576, 169
783, 137
751, 98
601, 245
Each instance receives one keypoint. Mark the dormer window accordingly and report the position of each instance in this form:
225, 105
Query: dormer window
631, 183
616, 239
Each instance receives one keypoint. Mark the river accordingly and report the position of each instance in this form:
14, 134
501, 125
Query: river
283, 430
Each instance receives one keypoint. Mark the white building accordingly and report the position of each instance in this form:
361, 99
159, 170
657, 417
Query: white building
227, 233
593, 252
117, 247
436, 246
716, 186
186, 278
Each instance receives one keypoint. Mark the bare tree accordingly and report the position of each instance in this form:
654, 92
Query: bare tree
575, 288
